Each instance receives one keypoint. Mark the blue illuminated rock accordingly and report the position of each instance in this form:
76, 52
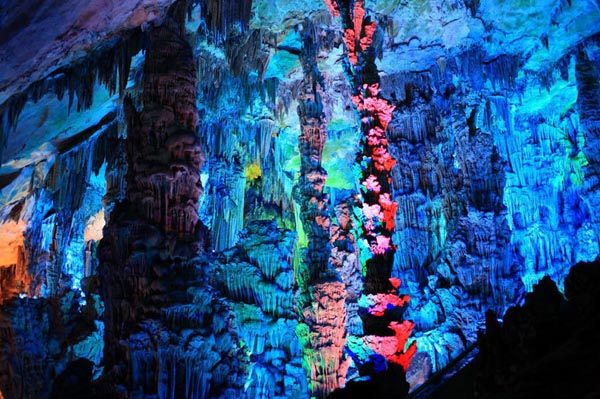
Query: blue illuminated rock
496, 135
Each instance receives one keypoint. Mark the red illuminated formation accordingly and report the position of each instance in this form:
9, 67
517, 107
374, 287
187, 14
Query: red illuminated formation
323, 306
333, 8
380, 296
394, 348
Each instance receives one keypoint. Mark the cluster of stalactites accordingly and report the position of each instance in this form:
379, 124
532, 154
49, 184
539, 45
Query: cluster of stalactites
109, 67
221, 15
374, 165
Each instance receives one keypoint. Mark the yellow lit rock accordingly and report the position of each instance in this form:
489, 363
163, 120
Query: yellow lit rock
253, 171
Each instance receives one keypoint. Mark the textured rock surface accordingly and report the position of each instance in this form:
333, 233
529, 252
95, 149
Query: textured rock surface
58, 35
257, 277
37, 338
252, 284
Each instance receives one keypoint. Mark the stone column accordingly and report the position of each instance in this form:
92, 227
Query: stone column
382, 306
323, 292
154, 232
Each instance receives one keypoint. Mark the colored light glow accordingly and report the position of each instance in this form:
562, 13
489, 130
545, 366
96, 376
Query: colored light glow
375, 164
253, 171
372, 184
394, 348
378, 304
333, 8
12, 238
94, 226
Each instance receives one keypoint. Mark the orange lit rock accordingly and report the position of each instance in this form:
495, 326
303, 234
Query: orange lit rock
13, 274
11, 239
333, 8
326, 318
93, 227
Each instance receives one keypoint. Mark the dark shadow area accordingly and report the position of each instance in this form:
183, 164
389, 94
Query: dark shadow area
390, 384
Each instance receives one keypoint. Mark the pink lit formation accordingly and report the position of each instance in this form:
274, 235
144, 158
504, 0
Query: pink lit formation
376, 164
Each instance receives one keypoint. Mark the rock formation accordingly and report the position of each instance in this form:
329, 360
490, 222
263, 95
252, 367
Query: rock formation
210, 199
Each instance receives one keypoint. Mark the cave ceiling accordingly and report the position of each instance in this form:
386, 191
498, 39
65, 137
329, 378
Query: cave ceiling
39, 39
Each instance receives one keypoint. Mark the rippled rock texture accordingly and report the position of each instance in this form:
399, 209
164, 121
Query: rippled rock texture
257, 199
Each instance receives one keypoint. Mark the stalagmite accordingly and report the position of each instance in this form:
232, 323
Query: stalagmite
161, 232
323, 295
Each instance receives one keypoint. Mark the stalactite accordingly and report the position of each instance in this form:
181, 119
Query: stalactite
245, 155
502, 71
109, 66
9, 115
61, 207
220, 16
246, 54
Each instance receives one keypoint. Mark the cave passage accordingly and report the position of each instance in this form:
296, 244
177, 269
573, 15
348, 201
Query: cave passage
333, 199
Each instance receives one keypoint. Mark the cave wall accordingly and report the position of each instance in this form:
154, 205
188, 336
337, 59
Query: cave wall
217, 157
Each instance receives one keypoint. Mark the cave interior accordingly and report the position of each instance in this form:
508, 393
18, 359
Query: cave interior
299, 199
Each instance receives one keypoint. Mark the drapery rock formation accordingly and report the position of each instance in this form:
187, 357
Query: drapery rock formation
203, 199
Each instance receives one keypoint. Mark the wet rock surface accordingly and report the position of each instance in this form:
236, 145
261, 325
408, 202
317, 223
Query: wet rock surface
213, 150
